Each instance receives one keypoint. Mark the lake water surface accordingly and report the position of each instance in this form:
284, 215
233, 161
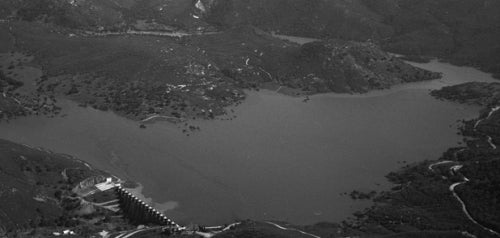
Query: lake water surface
279, 159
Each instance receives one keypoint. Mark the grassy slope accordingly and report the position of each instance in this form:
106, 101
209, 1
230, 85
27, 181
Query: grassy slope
26, 174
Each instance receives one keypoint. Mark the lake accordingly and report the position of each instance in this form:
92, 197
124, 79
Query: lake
279, 159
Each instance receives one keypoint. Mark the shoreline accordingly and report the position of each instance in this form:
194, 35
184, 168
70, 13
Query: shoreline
395, 89
162, 207
154, 118
264, 91
433, 84
455, 169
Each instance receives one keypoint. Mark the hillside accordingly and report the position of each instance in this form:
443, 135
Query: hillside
101, 15
138, 75
484, 94
37, 193
460, 31
186, 59
44, 193
481, 194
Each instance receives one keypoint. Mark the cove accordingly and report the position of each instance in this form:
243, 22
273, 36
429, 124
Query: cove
279, 159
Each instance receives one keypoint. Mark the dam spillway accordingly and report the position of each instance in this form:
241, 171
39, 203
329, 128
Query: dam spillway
141, 213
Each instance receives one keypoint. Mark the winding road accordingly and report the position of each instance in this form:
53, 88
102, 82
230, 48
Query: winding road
178, 34
455, 169
161, 117
431, 166
291, 229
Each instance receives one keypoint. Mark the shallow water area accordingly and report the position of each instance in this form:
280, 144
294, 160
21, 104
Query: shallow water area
280, 159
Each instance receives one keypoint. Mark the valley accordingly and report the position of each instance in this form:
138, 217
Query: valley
286, 118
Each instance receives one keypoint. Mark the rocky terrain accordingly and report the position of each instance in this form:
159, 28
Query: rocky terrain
484, 94
460, 31
424, 187
481, 193
45, 194
181, 59
179, 78
455, 196
419, 205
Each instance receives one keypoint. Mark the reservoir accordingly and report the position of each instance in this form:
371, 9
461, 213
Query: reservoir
279, 158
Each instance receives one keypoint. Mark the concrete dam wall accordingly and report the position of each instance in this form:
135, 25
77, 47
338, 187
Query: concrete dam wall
141, 213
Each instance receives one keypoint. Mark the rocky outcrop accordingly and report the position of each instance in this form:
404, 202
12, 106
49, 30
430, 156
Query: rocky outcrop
197, 75
347, 66
9, 108
485, 94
